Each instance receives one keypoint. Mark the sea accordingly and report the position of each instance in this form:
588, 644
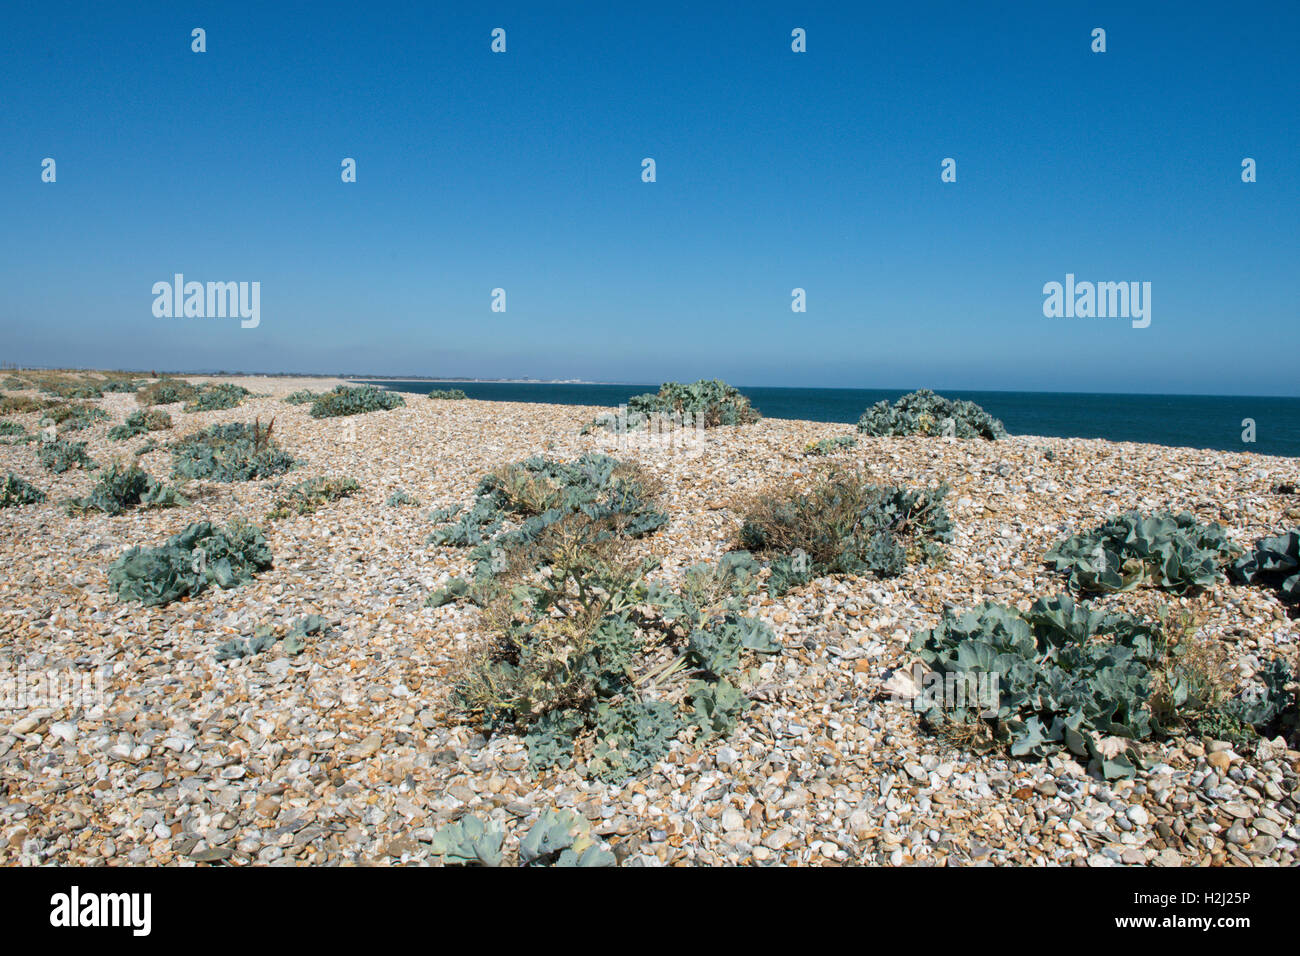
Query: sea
1219, 422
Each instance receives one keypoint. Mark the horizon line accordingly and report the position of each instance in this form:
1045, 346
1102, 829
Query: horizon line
465, 380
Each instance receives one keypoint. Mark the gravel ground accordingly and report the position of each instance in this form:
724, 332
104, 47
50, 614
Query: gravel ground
347, 753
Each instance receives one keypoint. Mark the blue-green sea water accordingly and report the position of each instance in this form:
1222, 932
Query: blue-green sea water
1194, 421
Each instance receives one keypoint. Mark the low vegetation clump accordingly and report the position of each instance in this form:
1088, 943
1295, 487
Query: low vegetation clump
538, 492
73, 388
15, 491
121, 385
827, 446
354, 400
1273, 563
60, 456
706, 403
1062, 676
1174, 552
557, 838
232, 452
582, 655
122, 488
8, 428
301, 397
307, 497
166, 392
19, 404
400, 499
293, 640
188, 563
215, 397
593, 664
140, 422
74, 416
845, 525
450, 394
925, 413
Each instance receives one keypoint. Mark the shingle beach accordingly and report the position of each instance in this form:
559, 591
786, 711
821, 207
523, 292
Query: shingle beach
351, 753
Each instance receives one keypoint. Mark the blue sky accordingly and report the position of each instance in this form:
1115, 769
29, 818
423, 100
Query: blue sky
775, 170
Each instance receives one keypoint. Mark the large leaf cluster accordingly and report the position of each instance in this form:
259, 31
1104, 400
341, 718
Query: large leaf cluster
556, 838
354, 400
187, 563
925, 413
1164, 550
1274, 563
235, 451
1067, 675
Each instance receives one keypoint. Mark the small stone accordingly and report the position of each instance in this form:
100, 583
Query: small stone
778, 840
1220, 760
25, 726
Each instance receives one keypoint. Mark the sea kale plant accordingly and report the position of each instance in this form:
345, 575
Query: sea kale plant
166, 392
1173, 552
307, 497
844, 524
591, 663
211, 397
925, 413
122, 488
537, 492
1068, 677
1274, 563
301, 397
580, 653
15, 491
141, 422
187, 563
450, 394
827, 446
295, 639
706, 403
556, 838
354, 400
233, 452
74, 416
60, 456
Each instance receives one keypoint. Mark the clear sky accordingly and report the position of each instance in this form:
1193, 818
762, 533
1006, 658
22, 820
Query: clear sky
775, 170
